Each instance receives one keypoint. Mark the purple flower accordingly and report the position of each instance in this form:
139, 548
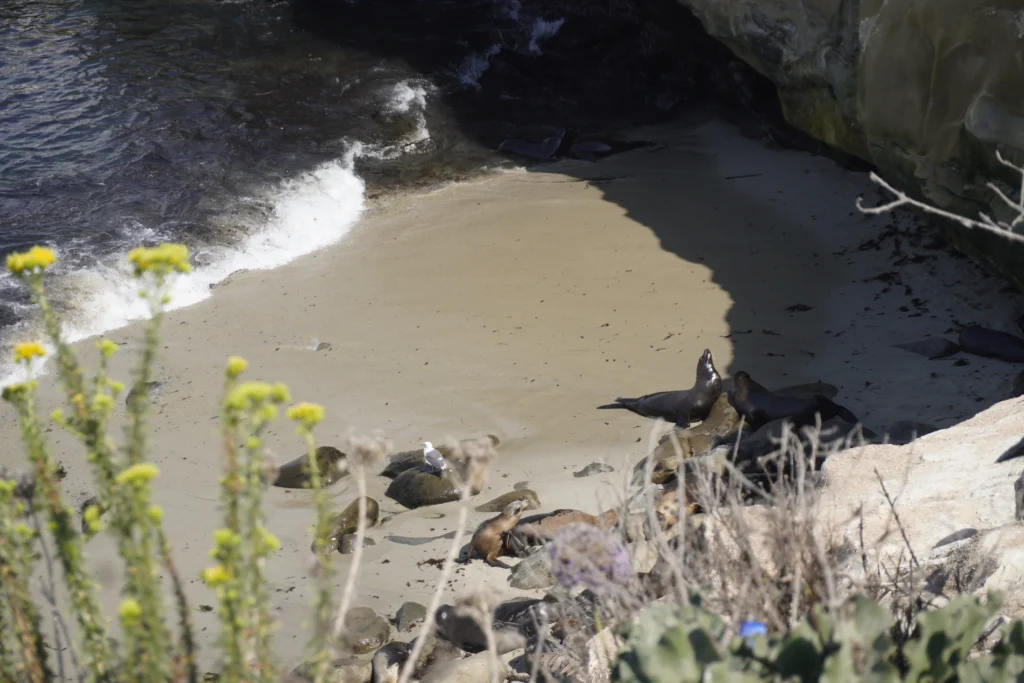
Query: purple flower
588, 555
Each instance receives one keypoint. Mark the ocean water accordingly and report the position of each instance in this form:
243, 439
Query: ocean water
219, 124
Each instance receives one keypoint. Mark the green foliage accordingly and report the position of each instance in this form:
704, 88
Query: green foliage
854, 644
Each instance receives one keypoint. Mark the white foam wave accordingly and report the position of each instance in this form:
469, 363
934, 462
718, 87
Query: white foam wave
542, 30
306, 213
475, 65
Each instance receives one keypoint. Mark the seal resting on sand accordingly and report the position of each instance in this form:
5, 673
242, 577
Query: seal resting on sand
679, 407
489, 539
758, 406
537, 529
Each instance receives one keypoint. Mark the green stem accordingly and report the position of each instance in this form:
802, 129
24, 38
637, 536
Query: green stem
322, 626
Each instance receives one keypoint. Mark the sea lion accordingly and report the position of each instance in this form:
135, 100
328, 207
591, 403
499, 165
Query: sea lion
346, 523
988, 343
331, 464
465, 633
537, 529
498, 504
761, 407
678, 407
719, 426
422, 486
489, 539
407, 460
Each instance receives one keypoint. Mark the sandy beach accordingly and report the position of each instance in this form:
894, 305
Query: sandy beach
517, 303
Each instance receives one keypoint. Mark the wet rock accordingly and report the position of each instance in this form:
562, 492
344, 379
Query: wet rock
347, 544
409, 615
498, 504
365, 630
466, 634
931, 348
344, 670
153, 391
593, 468
322, 346
532, 572
407, 460
422, 486
473, 669
345, 524
331, 464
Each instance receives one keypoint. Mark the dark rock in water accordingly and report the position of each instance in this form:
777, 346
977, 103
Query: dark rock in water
956, 536
410, 614
593, 468
988, 343
931, 348
153, 391
365, 630
331, 464
906, 431
1018, 497
466, 634
532, 572
347, 544
498, 504
422, 486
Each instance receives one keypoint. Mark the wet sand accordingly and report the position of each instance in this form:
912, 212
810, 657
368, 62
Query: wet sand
517, 303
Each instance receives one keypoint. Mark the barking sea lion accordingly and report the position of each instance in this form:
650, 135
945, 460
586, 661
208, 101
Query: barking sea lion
679, 407
489, 539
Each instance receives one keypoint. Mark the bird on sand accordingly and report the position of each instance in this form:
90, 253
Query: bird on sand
434, 458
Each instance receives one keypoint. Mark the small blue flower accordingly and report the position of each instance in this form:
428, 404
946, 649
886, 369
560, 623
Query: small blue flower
749, 629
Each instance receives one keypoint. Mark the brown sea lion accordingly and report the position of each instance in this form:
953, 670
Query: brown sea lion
331, 464
488, 541
721, 424
407, 460
499, 503
759, 407
346, 522
679, 407
537, 529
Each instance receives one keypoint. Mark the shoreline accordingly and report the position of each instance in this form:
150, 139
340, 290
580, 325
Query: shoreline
517, 302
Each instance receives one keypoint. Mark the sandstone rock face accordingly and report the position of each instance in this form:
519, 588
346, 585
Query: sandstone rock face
954, 501
927, 90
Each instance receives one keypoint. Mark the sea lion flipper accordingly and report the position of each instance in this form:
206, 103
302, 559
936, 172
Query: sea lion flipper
1014, 451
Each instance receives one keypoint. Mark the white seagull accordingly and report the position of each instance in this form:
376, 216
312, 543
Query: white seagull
434, 458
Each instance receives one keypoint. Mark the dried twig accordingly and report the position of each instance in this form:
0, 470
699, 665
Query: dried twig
899, 524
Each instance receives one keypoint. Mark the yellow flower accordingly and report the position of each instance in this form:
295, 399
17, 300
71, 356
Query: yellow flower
115, 386
161, 260
102, 403
155, 513
225, 537
26, 351
247, 395
130, 610
91, 517
279, 393
107, 347
138, 473
36, 257
215, 575
270, 541
24, 530
306, 413
15, 392
236, 366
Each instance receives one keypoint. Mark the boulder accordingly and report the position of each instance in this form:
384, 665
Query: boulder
925, 90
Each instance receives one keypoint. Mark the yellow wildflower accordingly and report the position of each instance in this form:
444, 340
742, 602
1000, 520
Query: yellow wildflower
236, 366
215, 575
36, 257
268, 413
306, 413
279, 393
102, 403
252, 443
155, 513
7, 487
130, 610
24, 530
14, 392
247, 395
26, 351
115, 386
107, 347
225, 537
270, 541
161, 260
138, 473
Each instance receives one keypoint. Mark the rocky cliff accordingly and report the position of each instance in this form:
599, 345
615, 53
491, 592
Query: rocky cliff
926, 90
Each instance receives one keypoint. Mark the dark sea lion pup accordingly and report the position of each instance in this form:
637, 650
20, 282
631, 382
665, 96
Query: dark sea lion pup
679, 407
